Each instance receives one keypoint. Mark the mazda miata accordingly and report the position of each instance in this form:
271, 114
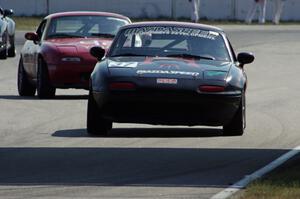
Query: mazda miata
57, 54
168, 73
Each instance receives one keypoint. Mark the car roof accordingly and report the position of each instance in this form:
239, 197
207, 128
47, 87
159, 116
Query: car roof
174, 23
86, 13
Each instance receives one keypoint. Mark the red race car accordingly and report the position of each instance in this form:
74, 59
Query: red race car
57, 54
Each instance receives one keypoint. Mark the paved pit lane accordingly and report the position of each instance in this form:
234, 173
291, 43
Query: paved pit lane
45, 151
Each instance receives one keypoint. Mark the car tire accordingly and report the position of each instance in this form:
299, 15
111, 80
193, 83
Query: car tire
25, 88
96, 124
3, 53
12, 49
238, 123
44, 89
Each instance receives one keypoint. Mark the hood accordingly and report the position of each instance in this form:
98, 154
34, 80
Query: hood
79, 46
169, 67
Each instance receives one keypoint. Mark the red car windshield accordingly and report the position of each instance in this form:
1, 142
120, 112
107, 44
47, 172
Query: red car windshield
170, 42
84, 26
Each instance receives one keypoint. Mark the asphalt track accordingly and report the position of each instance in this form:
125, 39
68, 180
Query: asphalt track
46, 153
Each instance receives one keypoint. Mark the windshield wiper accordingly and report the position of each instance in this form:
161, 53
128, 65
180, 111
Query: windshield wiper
129, 55
184, 55
64, 35
105, 35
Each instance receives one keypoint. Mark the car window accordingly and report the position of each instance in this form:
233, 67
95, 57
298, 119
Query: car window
85, 26
164, 41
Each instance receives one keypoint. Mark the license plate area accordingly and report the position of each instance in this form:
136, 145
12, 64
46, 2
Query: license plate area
166, 81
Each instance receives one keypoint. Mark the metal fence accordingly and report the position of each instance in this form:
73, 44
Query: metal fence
209, 9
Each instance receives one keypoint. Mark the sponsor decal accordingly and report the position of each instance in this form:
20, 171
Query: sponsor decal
122, 64
172, 31
166, 81
169, 72
169, 66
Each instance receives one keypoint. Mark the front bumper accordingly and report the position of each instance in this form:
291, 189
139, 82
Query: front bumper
168, 107
70, 75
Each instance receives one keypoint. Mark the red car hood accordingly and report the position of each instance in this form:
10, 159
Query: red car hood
79, 45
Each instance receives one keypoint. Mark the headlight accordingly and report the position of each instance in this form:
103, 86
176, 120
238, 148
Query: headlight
71, 59
215, 75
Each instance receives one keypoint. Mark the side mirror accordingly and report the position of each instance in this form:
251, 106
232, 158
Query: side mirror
97, 52
8, 12
32, 36
245, 58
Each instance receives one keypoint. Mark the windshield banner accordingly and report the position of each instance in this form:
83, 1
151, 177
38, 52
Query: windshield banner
172, 31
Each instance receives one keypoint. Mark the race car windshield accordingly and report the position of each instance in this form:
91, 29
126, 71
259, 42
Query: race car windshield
84, 26
170, 42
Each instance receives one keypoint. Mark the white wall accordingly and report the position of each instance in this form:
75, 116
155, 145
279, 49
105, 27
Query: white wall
210, 9
132, 8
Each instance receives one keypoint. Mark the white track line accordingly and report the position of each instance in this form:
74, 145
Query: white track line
257, 174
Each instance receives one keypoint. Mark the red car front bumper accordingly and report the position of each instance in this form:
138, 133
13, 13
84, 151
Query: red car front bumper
71, 75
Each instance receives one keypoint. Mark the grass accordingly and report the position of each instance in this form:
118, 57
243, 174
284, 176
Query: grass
282, 183
27, 23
